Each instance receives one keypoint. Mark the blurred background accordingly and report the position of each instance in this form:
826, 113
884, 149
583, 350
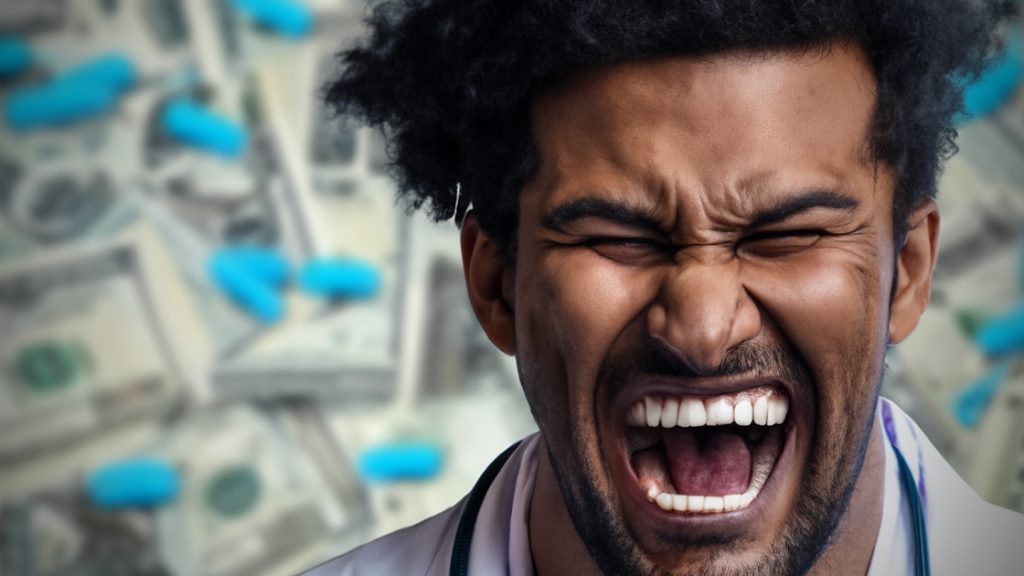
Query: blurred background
226, 350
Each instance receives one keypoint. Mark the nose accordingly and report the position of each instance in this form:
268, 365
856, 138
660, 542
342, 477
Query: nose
702, 310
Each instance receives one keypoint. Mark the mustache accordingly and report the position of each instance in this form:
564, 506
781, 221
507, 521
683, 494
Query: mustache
657, 358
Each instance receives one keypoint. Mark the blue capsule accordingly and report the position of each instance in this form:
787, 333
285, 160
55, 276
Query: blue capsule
971, 404
15, 57
400, 462
286, 17
997, 84
86, 91
115, 71
133, 483
57, 105
195, 126
1004, 335
339, 278
246, 287
264, 264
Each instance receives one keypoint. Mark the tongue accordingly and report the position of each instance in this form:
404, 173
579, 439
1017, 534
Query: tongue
710, 461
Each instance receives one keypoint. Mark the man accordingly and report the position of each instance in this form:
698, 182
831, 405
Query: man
698, 225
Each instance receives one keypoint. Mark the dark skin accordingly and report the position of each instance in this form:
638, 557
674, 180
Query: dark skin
704, 205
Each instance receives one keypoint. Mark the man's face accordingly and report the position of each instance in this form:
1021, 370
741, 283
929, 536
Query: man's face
705, 250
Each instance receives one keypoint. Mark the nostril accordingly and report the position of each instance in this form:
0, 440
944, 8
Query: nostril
691, 362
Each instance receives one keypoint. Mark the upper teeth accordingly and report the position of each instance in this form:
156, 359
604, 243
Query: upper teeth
764, 407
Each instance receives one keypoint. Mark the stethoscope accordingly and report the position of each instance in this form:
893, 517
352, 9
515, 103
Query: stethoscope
467, 522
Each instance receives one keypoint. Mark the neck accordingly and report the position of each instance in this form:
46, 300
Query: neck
554, 542
558, 549
854, 540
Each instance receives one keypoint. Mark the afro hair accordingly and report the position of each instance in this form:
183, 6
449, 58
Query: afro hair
450, 81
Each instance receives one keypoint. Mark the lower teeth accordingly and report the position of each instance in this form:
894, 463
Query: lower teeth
761, 469
703, 504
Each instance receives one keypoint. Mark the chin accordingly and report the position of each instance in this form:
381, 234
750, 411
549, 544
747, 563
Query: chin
729, 476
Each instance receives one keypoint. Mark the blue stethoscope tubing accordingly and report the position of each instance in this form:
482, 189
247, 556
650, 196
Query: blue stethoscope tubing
467, 521
922, 563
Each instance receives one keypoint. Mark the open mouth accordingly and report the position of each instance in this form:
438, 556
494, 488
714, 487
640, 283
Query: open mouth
699, 455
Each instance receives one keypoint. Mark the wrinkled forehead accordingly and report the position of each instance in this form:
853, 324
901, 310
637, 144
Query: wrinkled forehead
714, 125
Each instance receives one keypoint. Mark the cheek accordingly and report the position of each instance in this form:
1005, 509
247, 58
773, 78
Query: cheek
832, 308
571, 307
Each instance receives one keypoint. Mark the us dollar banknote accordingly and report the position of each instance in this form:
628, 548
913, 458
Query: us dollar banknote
93, 336
254, 499
261, 491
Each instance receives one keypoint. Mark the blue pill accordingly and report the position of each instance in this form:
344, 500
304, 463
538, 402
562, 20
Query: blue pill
997, 84
195, 126
15, 57
266, 264
400, 462
286, 17
115, 71
57, 105
971, 404
1004, 335
133, 483
339, 278
252, 293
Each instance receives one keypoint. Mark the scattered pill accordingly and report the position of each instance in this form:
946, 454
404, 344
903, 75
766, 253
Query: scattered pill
252, 293
971, 404
997, 84
57, 104
114, 70
286, 17
265, 264
339, 278
15, 57
133, 483
195, 126
400, 462
1004, 335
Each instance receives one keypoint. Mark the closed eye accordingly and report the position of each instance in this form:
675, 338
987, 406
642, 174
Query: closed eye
777, 243
629, 250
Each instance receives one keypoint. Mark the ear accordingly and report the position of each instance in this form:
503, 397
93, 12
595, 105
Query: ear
915, 265
489, 282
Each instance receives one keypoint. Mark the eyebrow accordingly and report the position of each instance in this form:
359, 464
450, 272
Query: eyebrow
601, 208
805, 202
614, 211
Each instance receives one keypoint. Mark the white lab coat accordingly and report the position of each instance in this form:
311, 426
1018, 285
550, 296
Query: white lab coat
966, 535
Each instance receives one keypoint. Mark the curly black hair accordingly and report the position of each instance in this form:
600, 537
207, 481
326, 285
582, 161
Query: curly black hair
450, 81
